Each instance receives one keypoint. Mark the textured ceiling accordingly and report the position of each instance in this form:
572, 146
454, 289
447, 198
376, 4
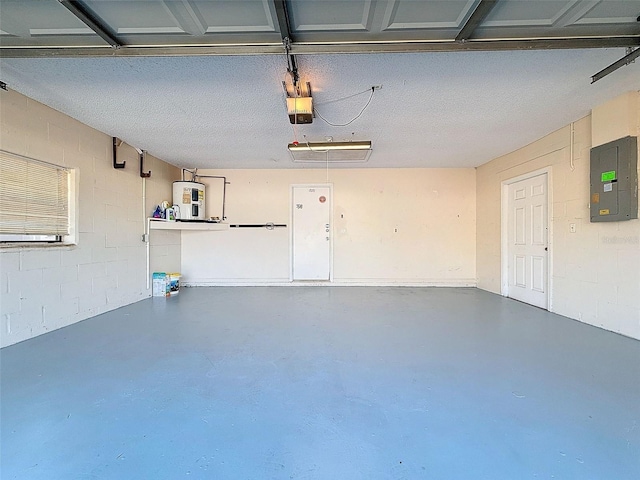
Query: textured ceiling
434, 109
137, 70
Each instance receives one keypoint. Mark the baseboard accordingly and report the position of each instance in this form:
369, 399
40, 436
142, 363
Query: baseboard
335, 283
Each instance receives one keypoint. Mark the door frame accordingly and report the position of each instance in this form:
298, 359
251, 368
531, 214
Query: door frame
311, 185
504, 232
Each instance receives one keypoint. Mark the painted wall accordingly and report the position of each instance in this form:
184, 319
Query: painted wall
595, 272
50, 287
433, 211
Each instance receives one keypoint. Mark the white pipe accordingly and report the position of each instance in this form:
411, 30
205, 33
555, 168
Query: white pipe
571, 165
145, 220
148, 254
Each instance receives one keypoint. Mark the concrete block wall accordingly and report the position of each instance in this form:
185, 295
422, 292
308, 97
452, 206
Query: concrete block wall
401, 226
45, 288
595, 271
165, 251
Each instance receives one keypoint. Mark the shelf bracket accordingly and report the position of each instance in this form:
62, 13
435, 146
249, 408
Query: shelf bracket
142, 172
116, 142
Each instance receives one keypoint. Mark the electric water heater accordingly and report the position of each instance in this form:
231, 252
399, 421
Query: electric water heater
189, 197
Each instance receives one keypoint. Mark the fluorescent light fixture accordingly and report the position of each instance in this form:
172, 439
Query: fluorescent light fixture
330, 152
326, 146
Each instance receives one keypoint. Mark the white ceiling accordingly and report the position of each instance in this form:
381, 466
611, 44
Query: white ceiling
494, 88
434, 109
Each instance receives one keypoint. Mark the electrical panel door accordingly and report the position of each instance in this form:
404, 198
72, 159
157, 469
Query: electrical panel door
614, 181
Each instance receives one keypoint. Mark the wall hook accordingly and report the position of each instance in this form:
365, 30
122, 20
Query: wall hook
142, 173
116, 144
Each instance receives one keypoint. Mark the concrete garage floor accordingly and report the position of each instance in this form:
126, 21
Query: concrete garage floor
322, 383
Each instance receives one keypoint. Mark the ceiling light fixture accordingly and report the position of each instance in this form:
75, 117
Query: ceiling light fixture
330, 152
326, 146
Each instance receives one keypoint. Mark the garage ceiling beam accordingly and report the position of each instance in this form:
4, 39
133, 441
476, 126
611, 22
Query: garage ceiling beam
324, 48
186, 14
284, 23
91, 20
477, 17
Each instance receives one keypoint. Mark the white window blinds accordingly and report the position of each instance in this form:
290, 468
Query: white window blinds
34, 197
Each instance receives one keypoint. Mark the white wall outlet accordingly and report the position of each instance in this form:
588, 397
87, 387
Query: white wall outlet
572, 228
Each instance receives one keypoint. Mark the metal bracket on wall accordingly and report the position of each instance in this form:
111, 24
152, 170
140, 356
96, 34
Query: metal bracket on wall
142, 172
116, 144
268, 226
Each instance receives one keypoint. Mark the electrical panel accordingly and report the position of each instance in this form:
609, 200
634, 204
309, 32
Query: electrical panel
614, 181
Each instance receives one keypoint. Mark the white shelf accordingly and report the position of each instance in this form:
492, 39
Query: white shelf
164, 225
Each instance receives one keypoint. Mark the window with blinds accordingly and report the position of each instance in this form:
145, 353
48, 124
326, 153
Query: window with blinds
34, 200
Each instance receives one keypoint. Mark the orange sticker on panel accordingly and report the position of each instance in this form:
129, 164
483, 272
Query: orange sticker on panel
595, 198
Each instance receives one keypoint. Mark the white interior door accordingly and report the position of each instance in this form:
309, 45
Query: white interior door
311, 232
527, 238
